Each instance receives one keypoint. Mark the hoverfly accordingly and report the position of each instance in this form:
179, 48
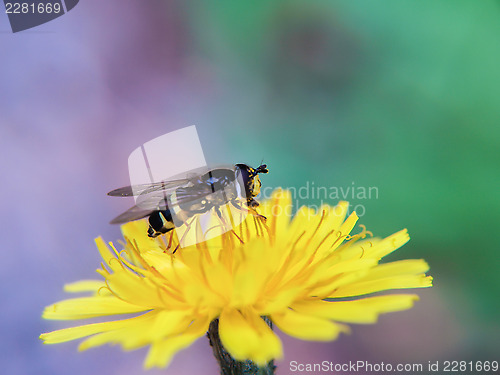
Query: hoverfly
171, 202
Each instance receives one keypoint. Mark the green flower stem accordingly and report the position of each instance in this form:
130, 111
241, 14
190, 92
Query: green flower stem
230, 366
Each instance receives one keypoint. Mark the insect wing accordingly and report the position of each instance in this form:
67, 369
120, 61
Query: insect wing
178, 197
189, 198
133, 213
156, 201
167, 186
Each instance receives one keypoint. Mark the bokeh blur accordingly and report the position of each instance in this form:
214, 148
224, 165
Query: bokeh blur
400, 96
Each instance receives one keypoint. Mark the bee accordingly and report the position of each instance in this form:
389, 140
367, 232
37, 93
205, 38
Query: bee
171, 203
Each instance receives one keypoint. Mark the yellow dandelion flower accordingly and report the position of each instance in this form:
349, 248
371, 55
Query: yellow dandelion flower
307, 275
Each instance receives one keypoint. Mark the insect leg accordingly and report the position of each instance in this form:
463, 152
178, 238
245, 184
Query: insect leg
250, 210
170, 240
224, 224
188, 225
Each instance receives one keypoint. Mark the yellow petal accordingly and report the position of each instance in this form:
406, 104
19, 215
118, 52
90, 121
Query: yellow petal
248, 337
338, 214
134, 289
278, 210
325, 276
345, 229
89, 307
136, 231
388, 244
307, 327
128, 337
168, 323
85, 286
396, 282
106, 253
74, 333
302, 219
401, 267
364, 310
161, 325
162, 351
270, 345
220, 280
249, 279
236, 334
277, 300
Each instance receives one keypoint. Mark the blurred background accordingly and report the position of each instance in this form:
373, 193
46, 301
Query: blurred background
402, 96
